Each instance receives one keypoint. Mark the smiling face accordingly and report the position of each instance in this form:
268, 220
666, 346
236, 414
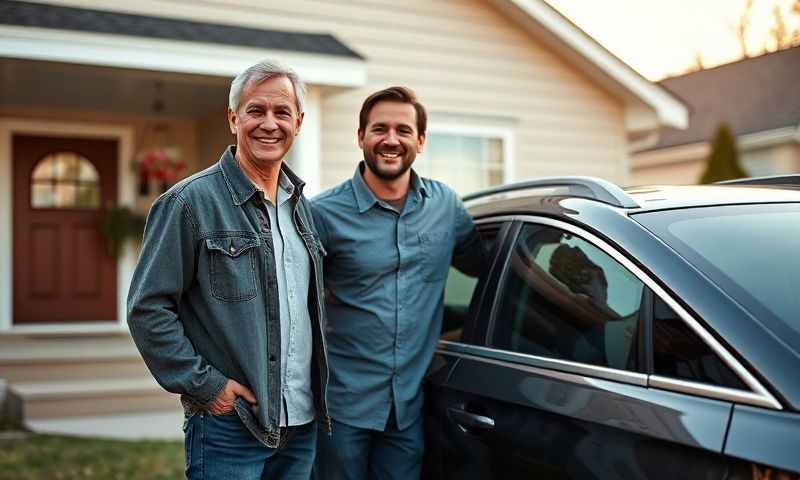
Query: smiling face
390, 140
266, 121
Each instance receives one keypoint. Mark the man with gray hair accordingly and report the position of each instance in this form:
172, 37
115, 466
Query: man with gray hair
225, 303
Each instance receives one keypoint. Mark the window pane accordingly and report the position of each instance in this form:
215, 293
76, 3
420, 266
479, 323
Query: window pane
760, 270
457, 296
88, 196
42, 195
66, 166
679, 353
44, 170
459, 290
87, 172
465, 163
564, 298
64, 195
65, 180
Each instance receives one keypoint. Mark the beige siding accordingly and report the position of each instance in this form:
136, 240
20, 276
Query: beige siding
461, 56
684, 165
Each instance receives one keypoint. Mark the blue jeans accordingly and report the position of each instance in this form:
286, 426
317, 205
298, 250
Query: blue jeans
354, 453
221, 447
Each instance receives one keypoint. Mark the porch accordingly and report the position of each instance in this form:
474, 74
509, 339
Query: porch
80, 108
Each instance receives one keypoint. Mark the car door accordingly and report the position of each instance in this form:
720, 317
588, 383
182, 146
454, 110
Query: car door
463, 299
557, 384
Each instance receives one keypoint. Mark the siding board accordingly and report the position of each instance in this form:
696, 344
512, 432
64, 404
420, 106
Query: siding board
461, 56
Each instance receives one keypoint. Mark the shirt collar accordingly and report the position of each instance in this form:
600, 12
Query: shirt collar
242, 188
365, 199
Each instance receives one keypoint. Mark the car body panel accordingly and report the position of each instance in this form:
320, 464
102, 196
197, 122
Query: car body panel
765, 436
566, 426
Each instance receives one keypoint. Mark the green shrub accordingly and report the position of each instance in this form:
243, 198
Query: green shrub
723, 161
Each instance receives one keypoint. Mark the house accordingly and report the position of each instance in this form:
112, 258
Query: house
90, 89
758, 97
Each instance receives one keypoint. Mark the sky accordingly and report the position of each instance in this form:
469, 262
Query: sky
660, 38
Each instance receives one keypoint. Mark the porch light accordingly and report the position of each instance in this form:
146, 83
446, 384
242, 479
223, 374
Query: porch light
158, 156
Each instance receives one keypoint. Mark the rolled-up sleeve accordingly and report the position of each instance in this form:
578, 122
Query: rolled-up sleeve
165, 272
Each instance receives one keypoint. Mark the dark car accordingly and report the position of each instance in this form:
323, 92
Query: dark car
623, 334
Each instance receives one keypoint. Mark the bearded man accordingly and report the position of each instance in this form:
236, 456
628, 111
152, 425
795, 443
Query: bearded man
390, 236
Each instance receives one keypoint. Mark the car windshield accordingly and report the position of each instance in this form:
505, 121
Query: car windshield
751, 251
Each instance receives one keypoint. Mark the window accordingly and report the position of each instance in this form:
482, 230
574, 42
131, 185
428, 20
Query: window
679, 353
65, 180
460, 289
564, 298
466, 159
760, 270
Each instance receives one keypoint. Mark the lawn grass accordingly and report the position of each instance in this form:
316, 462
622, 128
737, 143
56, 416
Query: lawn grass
54, 457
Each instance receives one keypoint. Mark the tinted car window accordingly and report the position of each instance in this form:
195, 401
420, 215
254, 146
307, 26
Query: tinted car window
564, 298
460, 289
749, 251
679, 353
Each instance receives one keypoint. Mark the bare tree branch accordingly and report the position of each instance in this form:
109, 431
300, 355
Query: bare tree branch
743, 26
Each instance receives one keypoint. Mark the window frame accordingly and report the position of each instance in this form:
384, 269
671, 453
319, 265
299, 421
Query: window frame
758, 395
477, 127
75, 182
482, 288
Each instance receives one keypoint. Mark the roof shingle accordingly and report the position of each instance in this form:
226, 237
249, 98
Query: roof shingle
752, 95
85, 20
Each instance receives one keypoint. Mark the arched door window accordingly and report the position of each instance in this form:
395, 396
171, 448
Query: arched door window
65, 180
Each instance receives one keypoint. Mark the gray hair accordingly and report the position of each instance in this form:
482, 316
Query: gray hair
261, 71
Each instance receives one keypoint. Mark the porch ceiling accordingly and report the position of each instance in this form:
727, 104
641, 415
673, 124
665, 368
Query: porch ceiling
30, 83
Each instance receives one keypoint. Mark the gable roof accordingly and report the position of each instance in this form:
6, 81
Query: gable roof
753, 95
648, 106
86, 20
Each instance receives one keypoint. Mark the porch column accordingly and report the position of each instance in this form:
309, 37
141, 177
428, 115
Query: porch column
306, 155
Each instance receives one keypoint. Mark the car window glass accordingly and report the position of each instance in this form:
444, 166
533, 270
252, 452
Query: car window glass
564, 298
678, 352
760, 270
460, 289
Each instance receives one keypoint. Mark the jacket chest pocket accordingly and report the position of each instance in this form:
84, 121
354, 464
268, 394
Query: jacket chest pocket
232, 264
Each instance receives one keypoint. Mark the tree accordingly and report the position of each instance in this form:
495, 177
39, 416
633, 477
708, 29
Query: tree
743, 26
796, 34
779, 31
723, 161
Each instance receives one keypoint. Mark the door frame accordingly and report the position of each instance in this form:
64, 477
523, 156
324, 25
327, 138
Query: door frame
126, 183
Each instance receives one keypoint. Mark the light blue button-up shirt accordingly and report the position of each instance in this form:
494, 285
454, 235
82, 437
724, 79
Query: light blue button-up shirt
385, 273
293, 270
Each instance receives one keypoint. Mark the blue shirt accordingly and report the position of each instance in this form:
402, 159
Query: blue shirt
385, 273
293, 272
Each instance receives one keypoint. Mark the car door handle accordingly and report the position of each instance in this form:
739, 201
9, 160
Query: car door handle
470, 421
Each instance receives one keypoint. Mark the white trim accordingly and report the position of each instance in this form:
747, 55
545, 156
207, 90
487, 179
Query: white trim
700, 150
306, 154
171, 55
669, 111
125, 196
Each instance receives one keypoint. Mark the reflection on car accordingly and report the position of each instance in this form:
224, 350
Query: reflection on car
646, 333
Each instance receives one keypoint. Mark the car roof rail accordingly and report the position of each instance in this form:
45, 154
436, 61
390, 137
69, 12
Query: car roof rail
783, 180
574, 186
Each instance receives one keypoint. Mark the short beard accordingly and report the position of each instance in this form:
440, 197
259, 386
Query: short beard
372, 164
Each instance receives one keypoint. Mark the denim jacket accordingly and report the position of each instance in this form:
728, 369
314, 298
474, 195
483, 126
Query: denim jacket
203, 302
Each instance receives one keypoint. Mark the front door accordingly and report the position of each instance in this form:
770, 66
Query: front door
64, 270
